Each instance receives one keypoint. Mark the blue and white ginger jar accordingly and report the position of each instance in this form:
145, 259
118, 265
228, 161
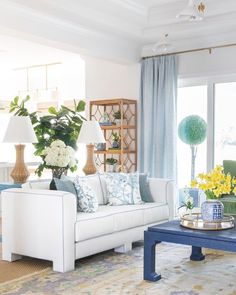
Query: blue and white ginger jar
212, 210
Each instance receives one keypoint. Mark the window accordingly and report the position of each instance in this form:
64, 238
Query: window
216, 103
191, 101
61, 83
225, 122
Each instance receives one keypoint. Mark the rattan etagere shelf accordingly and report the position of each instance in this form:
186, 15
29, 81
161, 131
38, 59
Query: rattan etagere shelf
127, 129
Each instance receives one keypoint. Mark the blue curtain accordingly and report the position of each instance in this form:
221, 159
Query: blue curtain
157, 117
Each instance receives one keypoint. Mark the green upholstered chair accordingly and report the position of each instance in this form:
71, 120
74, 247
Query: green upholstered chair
230, 167
229, 201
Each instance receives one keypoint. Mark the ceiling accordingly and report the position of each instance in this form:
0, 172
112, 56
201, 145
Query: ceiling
116, 29
19, 53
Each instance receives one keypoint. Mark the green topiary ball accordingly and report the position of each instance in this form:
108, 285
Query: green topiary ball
192, 130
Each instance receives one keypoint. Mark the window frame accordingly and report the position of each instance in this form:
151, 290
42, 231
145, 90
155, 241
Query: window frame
210, 82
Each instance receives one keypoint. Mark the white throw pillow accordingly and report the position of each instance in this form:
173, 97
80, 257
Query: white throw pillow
123, 189
87, 200
37, 184
94, 182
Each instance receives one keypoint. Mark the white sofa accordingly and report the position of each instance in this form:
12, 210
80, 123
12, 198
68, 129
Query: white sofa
45, 224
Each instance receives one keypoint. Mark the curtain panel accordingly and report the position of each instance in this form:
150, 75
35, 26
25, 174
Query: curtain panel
157, 116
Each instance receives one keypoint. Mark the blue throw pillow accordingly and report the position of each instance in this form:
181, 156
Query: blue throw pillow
87, 200
123, 189
63, 185
144, 188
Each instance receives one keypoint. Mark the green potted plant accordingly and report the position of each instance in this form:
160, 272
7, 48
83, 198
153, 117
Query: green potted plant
63, 124
117, 117
192, 130
111, 162
116, 140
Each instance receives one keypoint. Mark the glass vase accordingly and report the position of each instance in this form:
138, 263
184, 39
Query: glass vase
190, 213
58, 171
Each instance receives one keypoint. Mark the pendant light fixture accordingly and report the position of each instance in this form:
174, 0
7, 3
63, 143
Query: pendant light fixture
163, 45
192, 12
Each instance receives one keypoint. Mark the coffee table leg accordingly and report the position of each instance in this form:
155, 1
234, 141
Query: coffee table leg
197, 254
149, 258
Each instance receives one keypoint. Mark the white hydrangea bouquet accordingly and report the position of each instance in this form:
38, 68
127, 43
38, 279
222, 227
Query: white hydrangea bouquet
59, 157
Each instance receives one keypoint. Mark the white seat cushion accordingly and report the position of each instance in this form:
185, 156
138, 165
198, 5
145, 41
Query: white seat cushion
128, 216
154, 212
109, 219
90, 225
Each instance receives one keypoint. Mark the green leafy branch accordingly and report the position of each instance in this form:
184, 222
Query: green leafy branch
63, 124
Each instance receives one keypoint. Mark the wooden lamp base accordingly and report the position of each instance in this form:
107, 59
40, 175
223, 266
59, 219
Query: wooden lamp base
90, 166
20, 173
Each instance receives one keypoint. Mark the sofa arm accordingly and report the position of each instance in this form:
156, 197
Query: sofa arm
39, 223
164, 191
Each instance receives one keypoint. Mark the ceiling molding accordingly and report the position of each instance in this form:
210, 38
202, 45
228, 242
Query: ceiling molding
64, 35
117, 28
134, 6
122, 26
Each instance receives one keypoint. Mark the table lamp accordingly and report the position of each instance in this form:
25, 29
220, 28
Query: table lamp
19, 131
90, 134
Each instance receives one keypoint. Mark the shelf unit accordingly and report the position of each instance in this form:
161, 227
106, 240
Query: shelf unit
127, 154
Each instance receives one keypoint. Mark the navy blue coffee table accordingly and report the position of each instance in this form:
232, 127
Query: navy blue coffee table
173, 232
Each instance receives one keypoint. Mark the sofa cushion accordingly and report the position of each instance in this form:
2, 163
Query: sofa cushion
144, 188
110, 219
94, 224
37, 184
86, 197
94, 182
154, 212
130, 217
63, 185
123, 189
103, 187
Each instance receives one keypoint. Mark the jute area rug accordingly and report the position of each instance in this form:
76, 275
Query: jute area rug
110, 273
21, 268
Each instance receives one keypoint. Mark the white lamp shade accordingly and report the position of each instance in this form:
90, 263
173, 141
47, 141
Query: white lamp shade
91, 133
20, 130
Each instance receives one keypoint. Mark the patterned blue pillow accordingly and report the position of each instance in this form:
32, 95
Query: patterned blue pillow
87, 200
123, 189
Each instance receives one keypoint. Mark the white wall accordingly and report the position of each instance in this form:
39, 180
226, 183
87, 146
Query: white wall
106, 79
201, 64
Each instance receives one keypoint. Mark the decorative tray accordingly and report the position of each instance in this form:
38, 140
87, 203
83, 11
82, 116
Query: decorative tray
195, 221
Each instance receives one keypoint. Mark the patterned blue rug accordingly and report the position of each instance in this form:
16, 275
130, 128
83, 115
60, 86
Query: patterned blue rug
111, 273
